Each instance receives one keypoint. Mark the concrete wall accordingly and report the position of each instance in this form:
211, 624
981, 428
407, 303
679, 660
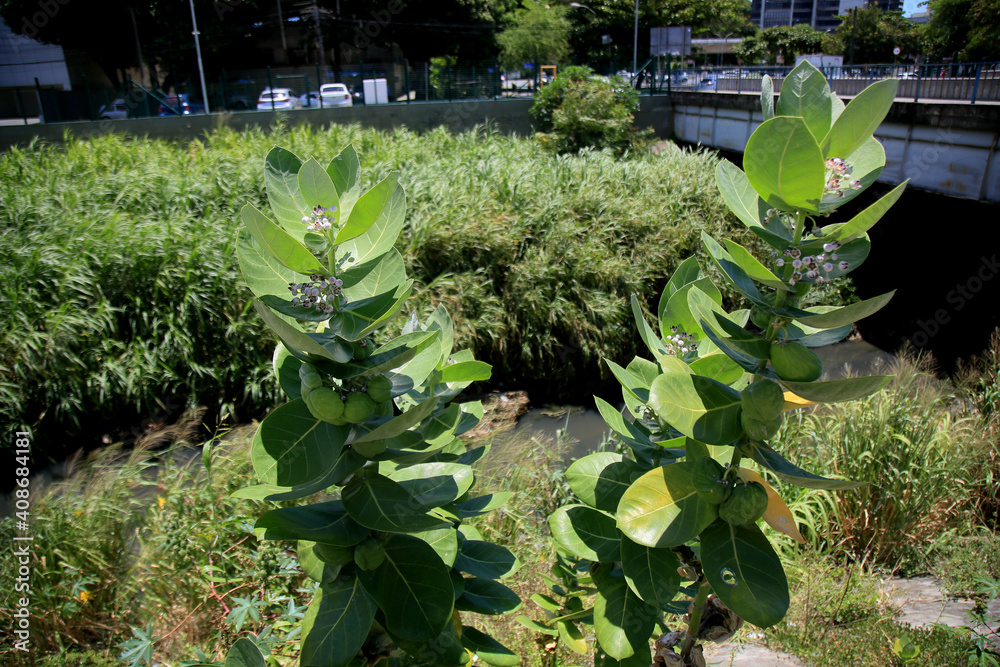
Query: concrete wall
510, 116
947, 89
949, 149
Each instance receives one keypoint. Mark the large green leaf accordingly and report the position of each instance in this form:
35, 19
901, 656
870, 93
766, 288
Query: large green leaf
626, 430
623, 623
291, 447
488, 649
805, 93
678, 314
244, 653
847, 314
316, 185
586, 533
767, 97
835, 391
751, 266
264, 275
360, 318
347, 464
739, 278
444, 541
650, 573
745, 572
698, 407
378, 276
281, 177
719, 367
601, 478
394, 426
785, 165
860, 119
412, 587
466, 371
485, 559
662, 509
394, 354
326, 523
443, 649
646, 332
286, 371
345, 169
382, 209
292, 336
791, 473
441, 429
739, 195
434, 484
485, 596
482, 504
857, 226
382, 504
315, 567
336, 623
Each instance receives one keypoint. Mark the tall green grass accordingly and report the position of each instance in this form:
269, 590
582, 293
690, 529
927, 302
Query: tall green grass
120, 297
913, 451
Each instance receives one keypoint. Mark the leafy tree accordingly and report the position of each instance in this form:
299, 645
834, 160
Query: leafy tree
875, 33
965, 29
538, 33
616, 19
783, 40
579, 109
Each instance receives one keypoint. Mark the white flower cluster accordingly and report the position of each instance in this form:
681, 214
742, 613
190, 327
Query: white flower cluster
679, 342
818, 267
320, 293
321, 219
837, 177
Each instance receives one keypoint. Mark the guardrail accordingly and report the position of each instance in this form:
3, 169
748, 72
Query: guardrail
958, 82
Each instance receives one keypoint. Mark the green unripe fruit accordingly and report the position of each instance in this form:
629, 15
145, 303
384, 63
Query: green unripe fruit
745, 505
333, 555
380, 388
362, 349
759, 429
358, 408
795, 362
762, 400
310, 377
324, 403
369, 554
708, 479
304, 390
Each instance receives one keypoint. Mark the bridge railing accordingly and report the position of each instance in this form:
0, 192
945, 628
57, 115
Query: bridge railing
961, 82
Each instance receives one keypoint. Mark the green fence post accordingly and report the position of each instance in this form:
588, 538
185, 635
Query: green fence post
406, 72
270, 86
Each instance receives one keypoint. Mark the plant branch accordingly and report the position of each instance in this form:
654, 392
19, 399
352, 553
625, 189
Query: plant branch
697, 607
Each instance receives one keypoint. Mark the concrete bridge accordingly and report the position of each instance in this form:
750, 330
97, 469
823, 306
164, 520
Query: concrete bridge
949, 148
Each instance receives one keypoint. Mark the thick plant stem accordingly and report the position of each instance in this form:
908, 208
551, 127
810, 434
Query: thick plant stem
697, 607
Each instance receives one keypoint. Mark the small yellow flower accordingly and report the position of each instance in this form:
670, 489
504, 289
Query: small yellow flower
85, 596
78, 513
161, 501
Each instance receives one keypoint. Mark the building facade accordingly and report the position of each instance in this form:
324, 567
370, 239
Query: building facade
820, 14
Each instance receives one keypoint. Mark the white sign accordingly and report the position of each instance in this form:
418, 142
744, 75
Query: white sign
896, 51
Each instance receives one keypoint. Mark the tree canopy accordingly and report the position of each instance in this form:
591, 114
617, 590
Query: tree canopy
965, 29
876, 33
787, 42
538, 33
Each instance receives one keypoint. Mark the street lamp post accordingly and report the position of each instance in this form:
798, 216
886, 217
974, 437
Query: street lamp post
197, 48
635, 41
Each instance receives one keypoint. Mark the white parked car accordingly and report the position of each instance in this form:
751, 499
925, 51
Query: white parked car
335, 95
278, 98
114, 111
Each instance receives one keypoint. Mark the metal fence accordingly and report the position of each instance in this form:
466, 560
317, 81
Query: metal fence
441, 80
958, 82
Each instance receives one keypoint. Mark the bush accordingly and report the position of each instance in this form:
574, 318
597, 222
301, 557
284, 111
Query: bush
582, 110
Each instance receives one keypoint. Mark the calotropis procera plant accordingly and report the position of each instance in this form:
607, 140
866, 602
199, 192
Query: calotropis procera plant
368, 429
683, 505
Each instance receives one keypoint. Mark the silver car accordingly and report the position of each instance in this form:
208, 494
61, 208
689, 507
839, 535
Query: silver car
278, 98
335, 95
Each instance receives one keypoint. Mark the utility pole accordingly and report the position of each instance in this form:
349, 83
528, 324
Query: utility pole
281, 26
319, 37
197, 48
